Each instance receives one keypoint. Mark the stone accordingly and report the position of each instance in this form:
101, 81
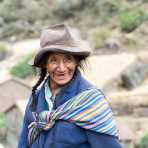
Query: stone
134, 74
12, 39
3, 56
141, 111
112, 43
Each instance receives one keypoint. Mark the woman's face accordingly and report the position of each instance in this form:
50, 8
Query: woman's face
61, 68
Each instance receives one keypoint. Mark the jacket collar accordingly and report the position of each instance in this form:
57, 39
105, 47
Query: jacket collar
76, 85
68, 87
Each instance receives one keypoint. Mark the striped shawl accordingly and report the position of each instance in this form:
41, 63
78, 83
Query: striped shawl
89, 110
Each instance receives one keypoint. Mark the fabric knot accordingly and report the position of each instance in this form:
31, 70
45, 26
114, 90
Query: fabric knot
32, 125
33, 132
42, 121
45, 121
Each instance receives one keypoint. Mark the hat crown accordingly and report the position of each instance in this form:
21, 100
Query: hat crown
56, 35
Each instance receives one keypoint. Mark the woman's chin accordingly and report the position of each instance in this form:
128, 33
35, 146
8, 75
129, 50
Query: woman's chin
62, 82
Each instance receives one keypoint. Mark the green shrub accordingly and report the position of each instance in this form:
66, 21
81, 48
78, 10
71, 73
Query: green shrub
2, 120
144, 141
131, 41
3, 48
24, 10
3, 51
111, 7
68, 8
98, 36
34, 11
23, 69
145, 1
12, 29
130, 19
9, 9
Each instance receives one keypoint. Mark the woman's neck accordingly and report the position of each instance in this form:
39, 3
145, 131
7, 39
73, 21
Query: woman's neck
54, 87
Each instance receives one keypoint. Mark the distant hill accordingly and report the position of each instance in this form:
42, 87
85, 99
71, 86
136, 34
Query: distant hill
107, 24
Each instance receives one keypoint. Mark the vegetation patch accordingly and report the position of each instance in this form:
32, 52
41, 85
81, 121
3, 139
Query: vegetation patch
23, 69
131, 41
110, 7
144, 141
3, 51
130, 19
2, 120
98, 36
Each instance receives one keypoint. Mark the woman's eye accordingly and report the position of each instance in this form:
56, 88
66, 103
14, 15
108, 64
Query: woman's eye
69, 58
52, 60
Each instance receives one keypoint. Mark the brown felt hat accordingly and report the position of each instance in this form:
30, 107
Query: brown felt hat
63, 39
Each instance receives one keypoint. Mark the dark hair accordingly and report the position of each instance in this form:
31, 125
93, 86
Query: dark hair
81, 61
41, 78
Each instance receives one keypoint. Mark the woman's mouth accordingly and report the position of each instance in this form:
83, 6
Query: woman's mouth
60, 76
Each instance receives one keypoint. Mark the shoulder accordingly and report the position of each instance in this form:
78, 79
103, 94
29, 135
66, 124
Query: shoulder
38, 92
95, 97
85, 84
94, 92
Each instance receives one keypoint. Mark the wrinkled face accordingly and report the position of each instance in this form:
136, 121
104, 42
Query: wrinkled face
61, 68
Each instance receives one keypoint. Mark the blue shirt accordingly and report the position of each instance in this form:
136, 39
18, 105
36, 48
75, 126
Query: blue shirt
48, 96
64, 134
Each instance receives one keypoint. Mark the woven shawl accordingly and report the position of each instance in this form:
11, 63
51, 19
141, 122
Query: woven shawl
89, 110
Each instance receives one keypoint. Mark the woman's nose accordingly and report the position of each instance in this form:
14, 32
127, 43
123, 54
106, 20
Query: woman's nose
61, 66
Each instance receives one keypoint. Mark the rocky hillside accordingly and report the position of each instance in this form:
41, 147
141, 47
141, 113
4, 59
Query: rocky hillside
107, 24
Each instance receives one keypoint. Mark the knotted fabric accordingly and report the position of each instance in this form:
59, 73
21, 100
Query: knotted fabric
89, 110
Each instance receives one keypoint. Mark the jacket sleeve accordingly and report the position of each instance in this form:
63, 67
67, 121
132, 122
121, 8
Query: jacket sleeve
97, 140
23, 142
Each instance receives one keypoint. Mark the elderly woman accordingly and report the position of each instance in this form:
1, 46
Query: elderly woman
65, 110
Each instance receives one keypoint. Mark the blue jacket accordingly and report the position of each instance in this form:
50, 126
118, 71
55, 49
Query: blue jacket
65, 134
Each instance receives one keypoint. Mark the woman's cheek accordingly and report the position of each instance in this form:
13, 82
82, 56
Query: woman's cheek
51, 68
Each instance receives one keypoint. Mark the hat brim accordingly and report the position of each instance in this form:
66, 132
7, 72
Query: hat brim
37, 60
